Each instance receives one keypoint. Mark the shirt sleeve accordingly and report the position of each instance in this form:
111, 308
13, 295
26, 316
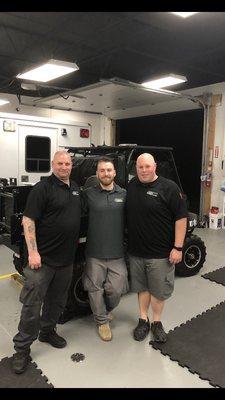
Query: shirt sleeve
36, 202
177, 202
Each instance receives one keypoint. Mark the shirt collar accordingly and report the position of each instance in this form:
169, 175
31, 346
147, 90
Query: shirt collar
147, 184
116, 188
58, 181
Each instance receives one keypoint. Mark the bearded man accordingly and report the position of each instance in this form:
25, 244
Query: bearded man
105, 274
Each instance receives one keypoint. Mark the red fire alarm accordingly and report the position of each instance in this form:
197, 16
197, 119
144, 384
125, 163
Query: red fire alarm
84, 133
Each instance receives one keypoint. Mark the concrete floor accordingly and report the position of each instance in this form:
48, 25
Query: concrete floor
123, 362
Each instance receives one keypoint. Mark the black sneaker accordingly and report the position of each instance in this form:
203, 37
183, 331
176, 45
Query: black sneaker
158, 332
141, 330
52, 338
20, 361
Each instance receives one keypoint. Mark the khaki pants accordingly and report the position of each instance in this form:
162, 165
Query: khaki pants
105, 280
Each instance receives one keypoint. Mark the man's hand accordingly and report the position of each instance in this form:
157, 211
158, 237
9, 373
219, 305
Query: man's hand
175, 256
34, 260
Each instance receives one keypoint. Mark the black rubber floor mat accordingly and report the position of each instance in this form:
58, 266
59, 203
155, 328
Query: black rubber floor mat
217, 276
199, 345
31, 378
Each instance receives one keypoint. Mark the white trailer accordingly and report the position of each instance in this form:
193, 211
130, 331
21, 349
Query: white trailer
27, 145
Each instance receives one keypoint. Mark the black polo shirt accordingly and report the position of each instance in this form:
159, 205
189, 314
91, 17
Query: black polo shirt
55, 207
152, 210
106, 209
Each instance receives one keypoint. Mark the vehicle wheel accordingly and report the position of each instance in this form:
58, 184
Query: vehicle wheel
77, 302
194, 253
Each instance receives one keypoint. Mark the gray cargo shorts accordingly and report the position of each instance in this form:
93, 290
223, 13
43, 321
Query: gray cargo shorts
155, 276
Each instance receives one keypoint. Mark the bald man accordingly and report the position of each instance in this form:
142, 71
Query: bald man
157, 220
51, 223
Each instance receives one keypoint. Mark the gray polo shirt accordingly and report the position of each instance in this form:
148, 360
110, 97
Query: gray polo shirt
105, 237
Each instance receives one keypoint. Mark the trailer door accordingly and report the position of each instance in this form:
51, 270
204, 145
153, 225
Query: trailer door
37, 145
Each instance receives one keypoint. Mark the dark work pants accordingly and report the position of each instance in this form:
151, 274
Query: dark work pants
45, 287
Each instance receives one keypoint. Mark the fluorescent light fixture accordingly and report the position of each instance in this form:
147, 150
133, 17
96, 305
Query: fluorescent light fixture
48, 71
184, 14
2, 102
165, 81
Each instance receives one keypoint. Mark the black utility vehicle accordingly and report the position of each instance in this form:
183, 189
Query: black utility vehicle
83, 172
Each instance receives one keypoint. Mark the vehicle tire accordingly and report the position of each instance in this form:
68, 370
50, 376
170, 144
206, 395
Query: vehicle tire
194, 253
77, 301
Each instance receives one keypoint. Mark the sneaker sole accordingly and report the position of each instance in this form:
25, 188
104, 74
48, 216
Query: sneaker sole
159, 341
51, 344
140, 340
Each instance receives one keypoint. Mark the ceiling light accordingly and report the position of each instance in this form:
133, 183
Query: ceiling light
48, 71
165, 81
184, 14
29, 86
2, 102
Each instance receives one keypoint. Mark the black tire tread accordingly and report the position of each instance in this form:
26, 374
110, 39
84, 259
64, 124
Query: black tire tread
181, 268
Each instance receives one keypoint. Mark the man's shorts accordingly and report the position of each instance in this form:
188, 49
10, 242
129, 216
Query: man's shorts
155, 276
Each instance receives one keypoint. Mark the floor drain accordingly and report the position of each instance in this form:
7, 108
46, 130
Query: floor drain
77, 357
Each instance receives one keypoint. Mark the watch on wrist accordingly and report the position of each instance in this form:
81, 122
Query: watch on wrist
178, 248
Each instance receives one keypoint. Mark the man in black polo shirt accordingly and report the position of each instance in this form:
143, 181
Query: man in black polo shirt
105, 275
51, 223
157, 218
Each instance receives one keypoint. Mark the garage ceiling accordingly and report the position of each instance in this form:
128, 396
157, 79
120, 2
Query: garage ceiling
133, 46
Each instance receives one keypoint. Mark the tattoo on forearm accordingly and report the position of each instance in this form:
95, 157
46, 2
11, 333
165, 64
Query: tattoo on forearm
33, 244
30, 235
31, 228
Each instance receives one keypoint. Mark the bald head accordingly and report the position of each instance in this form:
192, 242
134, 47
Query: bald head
60, 153
146, 167
146, 157
62, 165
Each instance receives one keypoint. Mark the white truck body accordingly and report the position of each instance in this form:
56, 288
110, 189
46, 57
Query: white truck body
15, 133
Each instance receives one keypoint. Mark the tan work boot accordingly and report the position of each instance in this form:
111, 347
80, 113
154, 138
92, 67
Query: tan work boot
110, 316
105, 332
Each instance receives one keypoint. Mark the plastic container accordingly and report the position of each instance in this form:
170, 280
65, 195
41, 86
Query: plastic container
215, 221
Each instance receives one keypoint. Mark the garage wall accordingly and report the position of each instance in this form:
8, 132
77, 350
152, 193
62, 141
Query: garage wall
218, 171
181, 130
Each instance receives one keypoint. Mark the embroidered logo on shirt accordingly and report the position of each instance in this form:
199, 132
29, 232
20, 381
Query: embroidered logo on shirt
75, 193
118, 200
154, 194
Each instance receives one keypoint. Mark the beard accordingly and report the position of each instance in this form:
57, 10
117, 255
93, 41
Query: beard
106, 181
